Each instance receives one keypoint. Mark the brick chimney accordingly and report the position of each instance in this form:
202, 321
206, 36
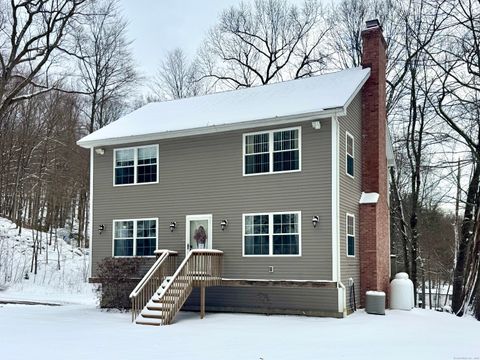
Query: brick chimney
374, 239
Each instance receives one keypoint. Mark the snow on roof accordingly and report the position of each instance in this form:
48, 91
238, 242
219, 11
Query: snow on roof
369, 198
215, 112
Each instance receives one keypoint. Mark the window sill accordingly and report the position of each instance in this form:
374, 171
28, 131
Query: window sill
133, 257
135, 184
272, 256
273, 173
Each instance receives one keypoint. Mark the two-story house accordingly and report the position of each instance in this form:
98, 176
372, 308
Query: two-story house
273, 197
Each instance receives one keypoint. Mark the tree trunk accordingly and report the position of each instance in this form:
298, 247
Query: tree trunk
464, 242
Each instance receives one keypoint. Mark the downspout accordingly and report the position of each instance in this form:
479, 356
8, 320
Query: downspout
336, 266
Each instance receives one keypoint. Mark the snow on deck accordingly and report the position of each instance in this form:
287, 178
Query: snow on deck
83, 332
283, 99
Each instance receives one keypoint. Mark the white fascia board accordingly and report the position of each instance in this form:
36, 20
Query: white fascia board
390, 153
357, 90
214, 128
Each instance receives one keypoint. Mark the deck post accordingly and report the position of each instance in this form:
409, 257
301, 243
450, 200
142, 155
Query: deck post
202, 301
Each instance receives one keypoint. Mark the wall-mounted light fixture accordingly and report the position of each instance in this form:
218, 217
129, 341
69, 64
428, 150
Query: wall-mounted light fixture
315, 220
316, 125
100, 151
101, 228
173, 225
224, 224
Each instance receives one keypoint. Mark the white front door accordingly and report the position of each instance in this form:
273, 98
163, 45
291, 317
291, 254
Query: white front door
198, 232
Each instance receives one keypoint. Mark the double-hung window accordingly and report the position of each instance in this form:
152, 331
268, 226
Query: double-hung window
134, 237
272, 234
137, 165
350, 230
350, 158
272, 151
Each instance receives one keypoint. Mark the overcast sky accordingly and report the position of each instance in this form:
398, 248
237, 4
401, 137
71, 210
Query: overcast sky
159, 26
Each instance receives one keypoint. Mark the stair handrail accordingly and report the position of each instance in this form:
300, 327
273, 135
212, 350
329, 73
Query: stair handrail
185, 271
148, 275
185, 261
146, 280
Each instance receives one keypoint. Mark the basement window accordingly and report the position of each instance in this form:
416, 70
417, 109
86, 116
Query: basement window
138, 165
134, 237
350, 159
272, 234
275, 151
350, 230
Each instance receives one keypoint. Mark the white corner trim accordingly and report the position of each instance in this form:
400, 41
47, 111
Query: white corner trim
369, 198
90, 267
335, 200
342, 298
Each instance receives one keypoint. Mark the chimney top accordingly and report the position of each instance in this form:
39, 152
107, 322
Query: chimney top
373, 23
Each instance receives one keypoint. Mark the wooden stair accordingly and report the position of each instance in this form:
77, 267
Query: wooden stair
157, 303
158, 308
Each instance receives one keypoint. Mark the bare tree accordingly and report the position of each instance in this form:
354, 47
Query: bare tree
31, 33
457, 59
176, 77
264, 42
105, 62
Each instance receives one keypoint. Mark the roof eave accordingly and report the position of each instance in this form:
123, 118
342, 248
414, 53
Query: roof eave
214, 128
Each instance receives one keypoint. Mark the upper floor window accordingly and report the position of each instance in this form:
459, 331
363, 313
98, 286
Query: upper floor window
137, 165
350, 158
272, 151
271, 234
350, 229
134, 237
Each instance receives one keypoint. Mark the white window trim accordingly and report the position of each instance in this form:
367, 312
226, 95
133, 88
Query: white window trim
347, 215
135, 164
270, 150
348, 135
134, 237
270, 234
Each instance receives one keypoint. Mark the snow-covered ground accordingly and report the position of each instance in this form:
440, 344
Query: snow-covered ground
79, 330
61, 277
84, 332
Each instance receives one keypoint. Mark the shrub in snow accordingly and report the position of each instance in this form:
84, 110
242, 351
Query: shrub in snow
118, 277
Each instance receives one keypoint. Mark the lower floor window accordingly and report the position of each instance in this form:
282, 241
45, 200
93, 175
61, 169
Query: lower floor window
350, 235
272, 234
135, 237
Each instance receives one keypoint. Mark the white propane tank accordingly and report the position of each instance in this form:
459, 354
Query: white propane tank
401, 292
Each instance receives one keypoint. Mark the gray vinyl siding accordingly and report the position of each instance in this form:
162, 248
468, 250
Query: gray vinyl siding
204, 175
350, 192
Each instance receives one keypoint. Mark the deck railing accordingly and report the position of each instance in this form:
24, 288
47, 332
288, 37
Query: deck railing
163, 267
200, 268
